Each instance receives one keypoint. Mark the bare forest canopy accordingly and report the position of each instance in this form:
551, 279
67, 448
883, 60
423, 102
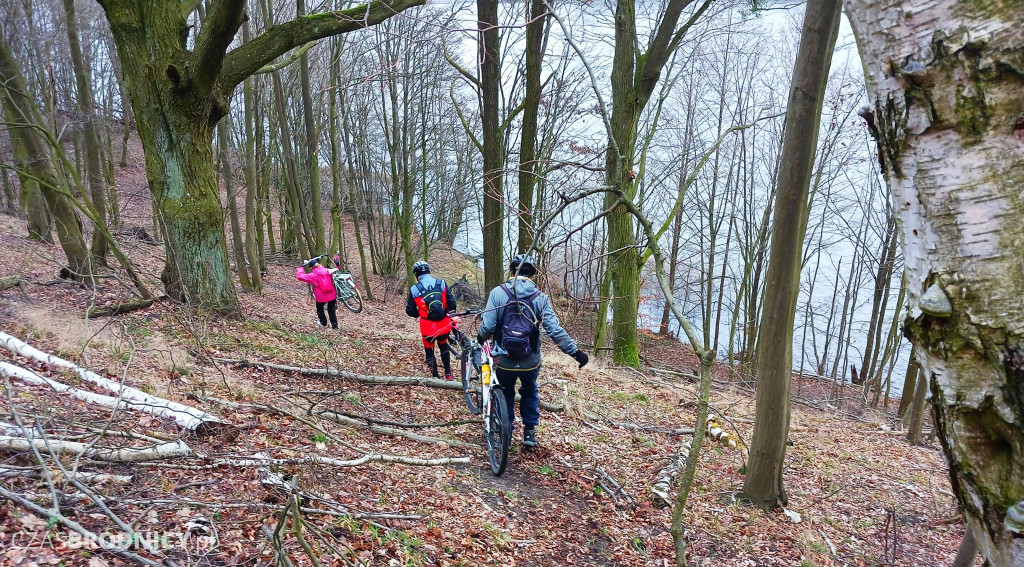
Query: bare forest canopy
639, 151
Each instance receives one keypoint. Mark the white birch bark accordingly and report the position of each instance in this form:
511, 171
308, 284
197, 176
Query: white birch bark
186, 416
945, 95
168, 450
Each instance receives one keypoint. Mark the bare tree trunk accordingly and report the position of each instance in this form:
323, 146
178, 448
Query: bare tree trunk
493, 144
223, 131
535, 30
917, 408
252, 188
763, 484
312, 151
91, 141
32, 158
909, 386
10, 199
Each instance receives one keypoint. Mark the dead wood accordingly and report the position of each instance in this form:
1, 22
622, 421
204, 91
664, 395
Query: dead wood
115, 454
662, 492
391, 431
366, 378
94, 311
202, 423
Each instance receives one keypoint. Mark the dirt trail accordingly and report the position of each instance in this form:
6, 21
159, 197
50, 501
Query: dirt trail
844, 476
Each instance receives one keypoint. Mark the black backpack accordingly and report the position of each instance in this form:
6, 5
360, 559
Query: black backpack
434, 299
518, 325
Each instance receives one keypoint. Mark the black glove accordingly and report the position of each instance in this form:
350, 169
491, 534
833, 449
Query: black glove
581, 357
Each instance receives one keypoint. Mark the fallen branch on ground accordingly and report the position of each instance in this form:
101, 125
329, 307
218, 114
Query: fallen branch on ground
54, 515
120, 455
94, 312
262, 461
81, 476
202, 423
662, 491
366, 378
391, 431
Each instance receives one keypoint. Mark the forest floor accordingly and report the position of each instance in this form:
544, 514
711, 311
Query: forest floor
864, 496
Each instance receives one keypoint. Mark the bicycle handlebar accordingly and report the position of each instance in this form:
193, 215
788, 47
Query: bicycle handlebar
464, 313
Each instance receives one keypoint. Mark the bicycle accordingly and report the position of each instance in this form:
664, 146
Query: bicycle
483, 393
345, 285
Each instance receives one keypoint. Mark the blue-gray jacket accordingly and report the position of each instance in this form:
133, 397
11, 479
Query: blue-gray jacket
495, 311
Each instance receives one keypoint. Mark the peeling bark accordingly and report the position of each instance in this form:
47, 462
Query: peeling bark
945, 82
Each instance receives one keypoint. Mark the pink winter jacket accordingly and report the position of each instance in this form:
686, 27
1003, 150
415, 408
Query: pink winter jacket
320, 278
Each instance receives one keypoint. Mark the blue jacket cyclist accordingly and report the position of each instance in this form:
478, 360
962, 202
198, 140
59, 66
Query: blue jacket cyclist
527, 368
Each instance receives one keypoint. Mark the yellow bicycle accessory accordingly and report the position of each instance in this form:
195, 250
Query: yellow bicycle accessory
485, 374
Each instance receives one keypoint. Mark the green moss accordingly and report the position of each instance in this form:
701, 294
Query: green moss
972, 115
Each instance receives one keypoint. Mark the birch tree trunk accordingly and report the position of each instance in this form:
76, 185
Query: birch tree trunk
945, 93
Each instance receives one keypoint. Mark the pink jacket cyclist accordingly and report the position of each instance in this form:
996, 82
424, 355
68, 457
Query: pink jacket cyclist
323, 291
320, 278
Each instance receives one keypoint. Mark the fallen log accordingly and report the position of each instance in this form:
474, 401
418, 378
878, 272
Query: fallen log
172, 450
192, 419
29, 377
661, 492
94, 311
366, 378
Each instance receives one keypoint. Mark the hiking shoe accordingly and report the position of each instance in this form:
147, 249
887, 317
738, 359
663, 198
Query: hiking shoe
529, 438
449, 377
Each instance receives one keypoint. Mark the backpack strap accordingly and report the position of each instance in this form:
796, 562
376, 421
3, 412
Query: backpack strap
423, 290
511, 296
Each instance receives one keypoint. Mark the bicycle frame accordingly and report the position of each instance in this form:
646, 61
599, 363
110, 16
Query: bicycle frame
488, 380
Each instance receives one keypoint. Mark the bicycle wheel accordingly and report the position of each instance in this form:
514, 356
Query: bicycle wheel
471, 386
499, 438
353, 302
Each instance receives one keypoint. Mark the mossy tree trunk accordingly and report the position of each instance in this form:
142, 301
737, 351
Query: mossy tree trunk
633, 78
32, 160
945, 81
763, 485
178, 95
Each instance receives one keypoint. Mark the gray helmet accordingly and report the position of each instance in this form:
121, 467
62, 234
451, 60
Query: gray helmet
523, 265
421, 267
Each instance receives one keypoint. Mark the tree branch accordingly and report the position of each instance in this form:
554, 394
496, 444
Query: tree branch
278, 65
218, 31
278, 40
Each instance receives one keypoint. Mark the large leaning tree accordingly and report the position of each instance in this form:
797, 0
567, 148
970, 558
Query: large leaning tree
945, 81
178, 95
